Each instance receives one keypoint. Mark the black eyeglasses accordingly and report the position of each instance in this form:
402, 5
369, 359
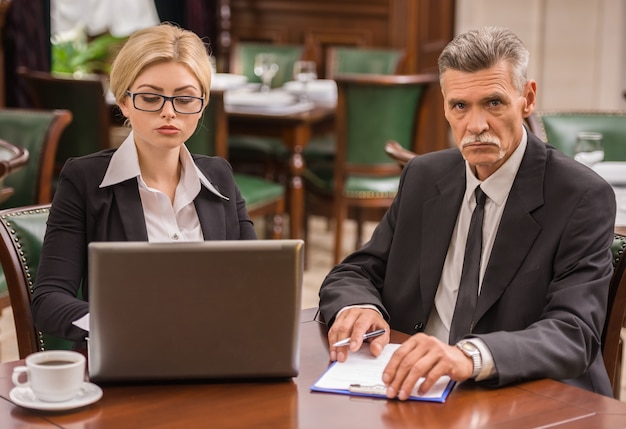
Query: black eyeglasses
150, 102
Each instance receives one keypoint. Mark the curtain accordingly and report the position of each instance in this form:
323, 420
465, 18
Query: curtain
26, 40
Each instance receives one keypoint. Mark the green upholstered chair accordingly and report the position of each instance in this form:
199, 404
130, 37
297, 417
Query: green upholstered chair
612, 346
351, 60
37, 131
371, 110
22, 231
263, 197
559, 128
85, 98
265, 156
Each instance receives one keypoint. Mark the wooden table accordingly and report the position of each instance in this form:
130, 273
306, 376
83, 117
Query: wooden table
295, 130
290, 404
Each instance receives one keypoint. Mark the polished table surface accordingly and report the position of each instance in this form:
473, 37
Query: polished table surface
291, 404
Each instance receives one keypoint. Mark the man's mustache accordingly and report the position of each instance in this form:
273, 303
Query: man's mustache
480, 138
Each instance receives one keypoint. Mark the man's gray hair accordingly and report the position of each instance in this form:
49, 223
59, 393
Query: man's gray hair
483, 48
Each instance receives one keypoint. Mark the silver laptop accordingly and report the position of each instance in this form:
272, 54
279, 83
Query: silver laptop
202, 310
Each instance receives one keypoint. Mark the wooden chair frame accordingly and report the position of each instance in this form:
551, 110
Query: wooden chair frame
15, 265
612, 346
19, 159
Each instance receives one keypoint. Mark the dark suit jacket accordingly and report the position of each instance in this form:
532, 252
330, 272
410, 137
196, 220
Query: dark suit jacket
544, 294
82, 212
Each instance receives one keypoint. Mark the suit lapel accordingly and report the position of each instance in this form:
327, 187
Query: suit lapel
131, 210
518, 229
440, 214
211, 215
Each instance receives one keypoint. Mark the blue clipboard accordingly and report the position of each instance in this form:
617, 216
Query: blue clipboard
347, 378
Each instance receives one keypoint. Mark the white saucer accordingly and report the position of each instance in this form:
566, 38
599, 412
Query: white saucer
24, 397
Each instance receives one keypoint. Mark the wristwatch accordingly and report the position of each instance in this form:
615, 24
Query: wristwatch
472, 351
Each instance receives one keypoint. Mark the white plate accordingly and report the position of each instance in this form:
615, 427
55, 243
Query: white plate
24, 397
223, 81
320, 89
271, 110
613, 172
259, 99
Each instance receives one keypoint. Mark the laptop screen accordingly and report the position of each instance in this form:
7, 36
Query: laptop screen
201, 310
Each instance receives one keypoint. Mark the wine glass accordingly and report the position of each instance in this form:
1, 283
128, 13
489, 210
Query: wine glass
265, 67
304, 72
589, 149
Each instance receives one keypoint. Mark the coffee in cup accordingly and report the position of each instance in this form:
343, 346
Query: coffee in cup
53, 375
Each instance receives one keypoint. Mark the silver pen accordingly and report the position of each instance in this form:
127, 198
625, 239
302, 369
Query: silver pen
372, 334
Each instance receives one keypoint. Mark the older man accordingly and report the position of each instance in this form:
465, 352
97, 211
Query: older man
530, 302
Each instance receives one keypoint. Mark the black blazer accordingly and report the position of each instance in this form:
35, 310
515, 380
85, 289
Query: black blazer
544, 294
82, 212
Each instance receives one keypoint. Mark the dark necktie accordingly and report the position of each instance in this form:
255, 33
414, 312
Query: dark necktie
462, 320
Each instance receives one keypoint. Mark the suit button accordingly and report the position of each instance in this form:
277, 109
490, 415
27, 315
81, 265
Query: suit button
419, 326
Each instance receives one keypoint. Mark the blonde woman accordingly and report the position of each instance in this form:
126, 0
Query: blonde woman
150, 188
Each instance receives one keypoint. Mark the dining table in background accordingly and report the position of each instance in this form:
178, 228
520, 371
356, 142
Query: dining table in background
290, 403
295, 130
614, 172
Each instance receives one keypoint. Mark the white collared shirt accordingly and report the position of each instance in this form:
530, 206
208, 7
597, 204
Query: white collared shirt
497, 187
165, 221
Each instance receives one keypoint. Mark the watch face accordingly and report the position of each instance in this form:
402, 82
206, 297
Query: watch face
468, 346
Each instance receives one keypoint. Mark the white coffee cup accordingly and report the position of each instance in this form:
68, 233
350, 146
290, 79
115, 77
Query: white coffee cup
53, 375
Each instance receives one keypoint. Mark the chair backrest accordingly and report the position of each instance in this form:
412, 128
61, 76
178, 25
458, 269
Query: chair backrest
243, 53
559, 128
372, 109
85, 98
22, 231
38, 132
347, 59
616, 314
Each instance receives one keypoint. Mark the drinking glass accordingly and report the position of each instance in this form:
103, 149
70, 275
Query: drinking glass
304, 72
589, 149
265, 67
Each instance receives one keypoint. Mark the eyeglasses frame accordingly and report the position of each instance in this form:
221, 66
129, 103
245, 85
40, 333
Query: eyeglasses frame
165, 99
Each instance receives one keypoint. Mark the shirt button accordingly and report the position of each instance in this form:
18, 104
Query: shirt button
419, 326
175, 236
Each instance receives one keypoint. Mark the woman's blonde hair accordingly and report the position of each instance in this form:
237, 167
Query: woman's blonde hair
159, 44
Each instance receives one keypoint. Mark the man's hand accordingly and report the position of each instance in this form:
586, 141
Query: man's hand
353, 323
424, 356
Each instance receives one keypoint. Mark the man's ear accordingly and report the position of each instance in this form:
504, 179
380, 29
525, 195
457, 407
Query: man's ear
530, 97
